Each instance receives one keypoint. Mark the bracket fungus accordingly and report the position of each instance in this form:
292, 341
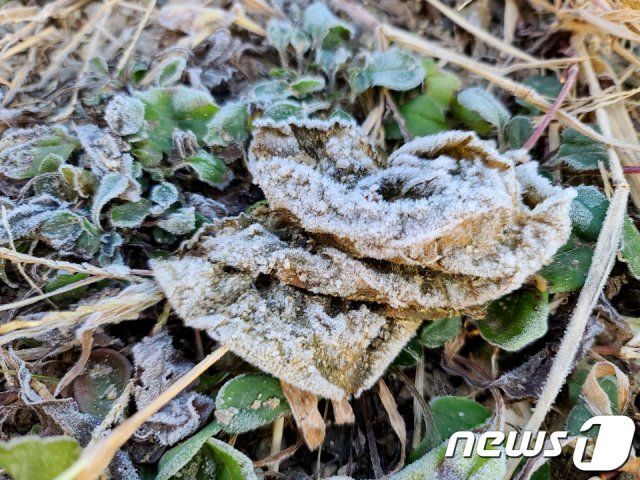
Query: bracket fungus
325, 287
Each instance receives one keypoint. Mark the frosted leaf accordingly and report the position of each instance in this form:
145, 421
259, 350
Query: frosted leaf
163, 195
158, 366
125, 114
26, 219
23, 150
319, 22
180, 222
230, 461
486, 105
394, 69
234, 291
228, 126
111, 186
104, 156
486, 218
170, 70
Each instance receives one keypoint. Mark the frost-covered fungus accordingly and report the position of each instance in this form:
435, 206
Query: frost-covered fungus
235, 283
449, 202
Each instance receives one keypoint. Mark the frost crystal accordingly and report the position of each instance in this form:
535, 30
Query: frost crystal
125, 114
325, 289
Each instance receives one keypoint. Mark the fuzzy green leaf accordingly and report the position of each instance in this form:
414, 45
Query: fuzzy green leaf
630, 247
516, 320
580, 152
170, 70
303, 86
228, 126
422, 115
320, 23
438, 332
588, 211
130, 214
209, 169
178, 457
568, 270
283, 110
230, 463
111, 186
249, 401
548, 86
163, 195
440, 86
179, 222
35, 458
519, 130
61, 228
488, 107
394, 69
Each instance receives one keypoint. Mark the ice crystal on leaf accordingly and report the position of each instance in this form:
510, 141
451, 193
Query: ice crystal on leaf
357, 250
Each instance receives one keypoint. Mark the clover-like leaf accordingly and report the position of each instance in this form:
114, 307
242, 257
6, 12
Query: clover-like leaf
436, 333
250, 401
210, 169
568, 271
394, 69
423, 116
630, 247
486, 105
588, 211
111, 186
518, 131
320, 23
228, 126
131, 214
105, 377
181, 457
516, 320
35, 458
179, 222
580, 152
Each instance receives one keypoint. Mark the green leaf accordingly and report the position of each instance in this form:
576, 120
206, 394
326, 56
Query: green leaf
174, 107
435, 466
163, 195
170, 70
580, 152
454, 414
228, 126
131, 214
230, 463
394, 69
89, 241
470, 118
179, 222
547, 86
249, 401
303, 86
423, 116
270, 91
319, 23
516, 320
209, 169
440, 86
630, 247
449, 415
436, 333
283, 110
103, 380
63, 279
409, 354
279, 34
176, 458
488, 107
588, 211
61, 228
330, 61
568, 270
580, 413
111, 186
519, 130
35, 458
99, 65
